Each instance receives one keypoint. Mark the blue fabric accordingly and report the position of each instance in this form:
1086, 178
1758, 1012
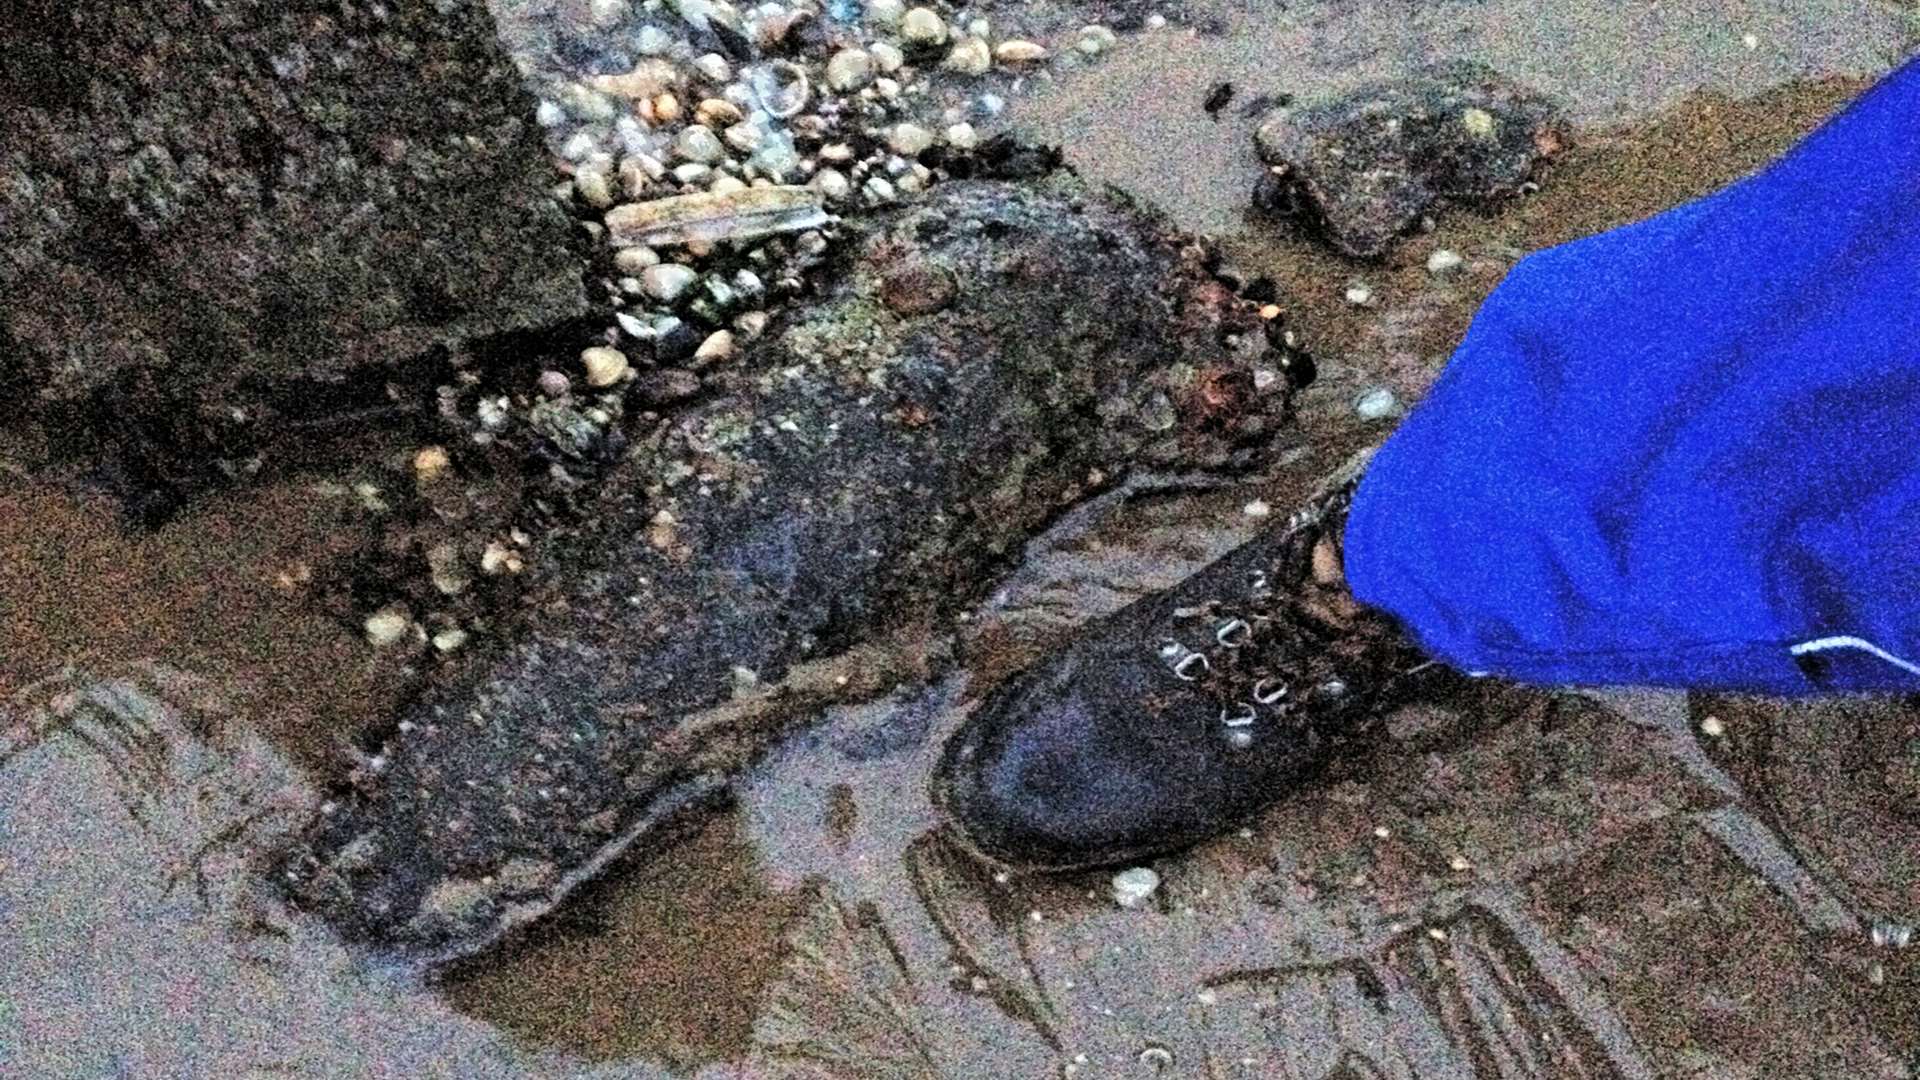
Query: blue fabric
1666, 454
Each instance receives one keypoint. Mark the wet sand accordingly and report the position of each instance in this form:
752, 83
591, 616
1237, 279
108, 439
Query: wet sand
1638, 899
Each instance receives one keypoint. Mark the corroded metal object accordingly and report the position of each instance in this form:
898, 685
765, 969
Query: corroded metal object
870, 469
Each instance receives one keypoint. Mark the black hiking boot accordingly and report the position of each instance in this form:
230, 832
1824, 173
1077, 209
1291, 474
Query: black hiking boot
1180, 715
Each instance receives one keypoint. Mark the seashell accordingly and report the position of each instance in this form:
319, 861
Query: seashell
780, 87
711, 217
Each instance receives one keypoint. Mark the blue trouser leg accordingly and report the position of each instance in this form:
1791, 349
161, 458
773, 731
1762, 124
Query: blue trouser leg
1685, 452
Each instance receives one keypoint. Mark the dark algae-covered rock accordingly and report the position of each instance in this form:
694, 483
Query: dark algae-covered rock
202, 198
1365, 167
985, 358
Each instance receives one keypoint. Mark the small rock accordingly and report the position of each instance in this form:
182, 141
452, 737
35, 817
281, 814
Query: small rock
880, 189
781, 88
699, 144
1019, 52
605, 365
744, 137
849, 70
388, 626
886, 58
606, 14
635, 260
1359, 295
713, 67
594, 187
909, 140
666, 108
667, 281
923, 28
1444, 261
450, 639
717, 113
920, 288
446, 569
1376, 404
832, 183
970, 56
962, 136
727, 185
1712, 727
717, 347
1095, 39
691, 173
1132, 887
1258, 508
652, 41
430, 463
751, 324
666, 386
555, 384
886, 12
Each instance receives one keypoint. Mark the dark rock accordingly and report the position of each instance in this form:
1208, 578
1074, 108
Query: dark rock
1217, 97
1363, 169
218, 196
765, 552
664, 386
917, 289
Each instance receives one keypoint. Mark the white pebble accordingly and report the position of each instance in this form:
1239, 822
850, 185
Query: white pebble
605, 365
594, 187
923, 27
1156, 22
832, 183
970, 56
962, 136
886, 12
633, 260
1712, 727
713, 67
449, 640
1258, 508
717, 347
1376, 404
606, 14
698, 143
886, 57
1444, 261
1359, 295
880, 189
909, 139
1131, 887
550, 114
849, 70
667, 281
387, 626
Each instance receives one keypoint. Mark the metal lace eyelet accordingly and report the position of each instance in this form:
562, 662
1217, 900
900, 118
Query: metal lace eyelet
1268, 691
1233, 633
1191, 666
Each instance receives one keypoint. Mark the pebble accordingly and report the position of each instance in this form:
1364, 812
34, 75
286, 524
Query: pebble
744, 137
549, 114
635, 260
970, 56
886, 12
1095, 39
1376, 404
430, 463
699, 144
666, 108
832, 183
717, 347
909, 139
387, 626
667, 281
781, 88
880, 189
606, 14
652, 41
1444, 261
1258, 508
962, 136
1019, 52
717, 114
1359, 295
727, 185
1712, 727
594, 187
923, 27
918, 288
849, 70
692, 172
555, 384
751, 324
605, 365
887, 58
1132, 887
444, 566
449, 640
713, 67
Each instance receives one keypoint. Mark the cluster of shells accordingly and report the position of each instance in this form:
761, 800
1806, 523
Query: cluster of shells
710, 152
